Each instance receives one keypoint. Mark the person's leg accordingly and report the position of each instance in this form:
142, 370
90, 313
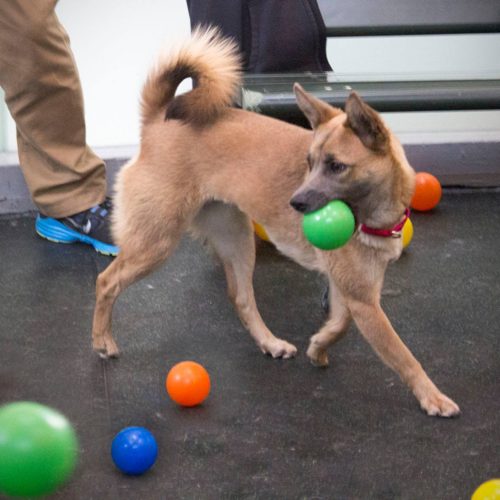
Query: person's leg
43, 94
42, 88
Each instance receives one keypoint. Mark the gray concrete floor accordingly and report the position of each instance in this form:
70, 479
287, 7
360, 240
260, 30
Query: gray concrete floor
270, 429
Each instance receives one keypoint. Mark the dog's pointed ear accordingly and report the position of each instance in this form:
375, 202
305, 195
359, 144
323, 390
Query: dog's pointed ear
315, 110
366, 123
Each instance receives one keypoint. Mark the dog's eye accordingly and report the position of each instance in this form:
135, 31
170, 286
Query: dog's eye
336, 167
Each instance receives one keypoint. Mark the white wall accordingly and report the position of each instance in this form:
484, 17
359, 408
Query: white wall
115, 42
422, 58
441, 54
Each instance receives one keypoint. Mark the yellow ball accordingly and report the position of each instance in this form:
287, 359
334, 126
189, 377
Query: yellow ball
407, 233
490, 490
260, 231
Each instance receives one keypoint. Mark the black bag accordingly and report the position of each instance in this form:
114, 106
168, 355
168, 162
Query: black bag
275, 36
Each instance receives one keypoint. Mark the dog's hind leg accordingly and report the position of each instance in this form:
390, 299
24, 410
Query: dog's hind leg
333, 330
140, 253
229, 232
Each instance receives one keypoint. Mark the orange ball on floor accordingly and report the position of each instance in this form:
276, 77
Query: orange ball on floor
427, 192
188, 383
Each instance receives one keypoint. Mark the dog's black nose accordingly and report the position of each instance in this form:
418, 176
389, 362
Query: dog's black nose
300, 206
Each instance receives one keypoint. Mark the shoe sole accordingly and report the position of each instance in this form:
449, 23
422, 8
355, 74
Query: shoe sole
55, 231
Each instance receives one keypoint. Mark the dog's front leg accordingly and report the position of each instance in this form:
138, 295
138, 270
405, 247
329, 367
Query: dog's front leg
378, 331
231, 235
242, 295
332, 331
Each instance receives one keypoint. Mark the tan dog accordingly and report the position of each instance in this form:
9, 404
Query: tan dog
209, 168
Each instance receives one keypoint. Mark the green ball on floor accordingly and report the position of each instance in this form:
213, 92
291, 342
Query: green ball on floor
38, 449
330, 227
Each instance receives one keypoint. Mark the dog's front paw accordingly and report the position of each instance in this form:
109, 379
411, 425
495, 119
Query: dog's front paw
439, 405
105, 347
317, 355
278, 348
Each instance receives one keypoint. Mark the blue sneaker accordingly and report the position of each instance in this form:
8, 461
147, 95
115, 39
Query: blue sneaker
90, 227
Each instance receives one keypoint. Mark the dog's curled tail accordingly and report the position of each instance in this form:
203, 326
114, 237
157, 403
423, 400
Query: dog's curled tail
213, 63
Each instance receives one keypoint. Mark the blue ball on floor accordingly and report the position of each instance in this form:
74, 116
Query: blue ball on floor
134, 450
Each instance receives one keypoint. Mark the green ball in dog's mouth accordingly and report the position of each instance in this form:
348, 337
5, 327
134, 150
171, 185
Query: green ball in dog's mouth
329, 227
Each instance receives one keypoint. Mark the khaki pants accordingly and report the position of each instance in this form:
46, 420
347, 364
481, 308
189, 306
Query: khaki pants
43, 94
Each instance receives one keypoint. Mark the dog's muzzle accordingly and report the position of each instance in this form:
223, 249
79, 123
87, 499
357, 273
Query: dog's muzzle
308, 201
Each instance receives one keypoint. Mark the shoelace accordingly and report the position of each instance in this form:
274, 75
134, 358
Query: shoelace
92, 218
101, 210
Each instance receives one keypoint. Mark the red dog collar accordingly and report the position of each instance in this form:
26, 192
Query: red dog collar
394, 232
